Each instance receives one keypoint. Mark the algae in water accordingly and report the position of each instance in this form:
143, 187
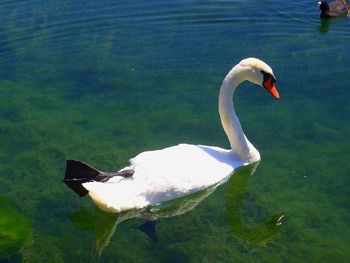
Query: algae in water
14, 229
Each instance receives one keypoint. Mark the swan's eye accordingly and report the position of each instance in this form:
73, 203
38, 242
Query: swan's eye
268, 76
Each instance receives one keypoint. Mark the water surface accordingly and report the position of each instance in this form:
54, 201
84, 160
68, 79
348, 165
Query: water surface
101, 81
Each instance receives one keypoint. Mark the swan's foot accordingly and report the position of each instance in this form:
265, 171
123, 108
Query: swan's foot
124, 173
78, 173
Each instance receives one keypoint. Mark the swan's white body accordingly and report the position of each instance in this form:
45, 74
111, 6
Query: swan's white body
176, 171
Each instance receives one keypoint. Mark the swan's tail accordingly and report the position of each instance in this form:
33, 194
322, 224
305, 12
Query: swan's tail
78, 173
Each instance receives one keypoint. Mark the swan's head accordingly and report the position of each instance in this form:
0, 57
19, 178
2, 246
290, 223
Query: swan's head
258, 72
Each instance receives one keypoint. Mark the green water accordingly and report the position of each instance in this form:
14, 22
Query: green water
101, 81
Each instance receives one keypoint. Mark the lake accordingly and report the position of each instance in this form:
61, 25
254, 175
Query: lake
101, 81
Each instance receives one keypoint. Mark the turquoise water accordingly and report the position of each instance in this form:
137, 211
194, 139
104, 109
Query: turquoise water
101, 81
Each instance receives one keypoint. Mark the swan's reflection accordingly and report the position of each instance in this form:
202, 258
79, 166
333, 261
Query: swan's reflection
261, 234
103, 225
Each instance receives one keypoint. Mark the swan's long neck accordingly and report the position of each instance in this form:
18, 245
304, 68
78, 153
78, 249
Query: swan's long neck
229, 120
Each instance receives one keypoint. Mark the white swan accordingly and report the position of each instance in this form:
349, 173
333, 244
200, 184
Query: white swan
162, 175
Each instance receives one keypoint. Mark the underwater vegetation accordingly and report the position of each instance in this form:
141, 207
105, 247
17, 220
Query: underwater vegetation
83, 80
15, 229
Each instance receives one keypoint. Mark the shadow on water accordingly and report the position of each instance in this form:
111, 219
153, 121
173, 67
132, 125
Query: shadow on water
103, 225
324, 25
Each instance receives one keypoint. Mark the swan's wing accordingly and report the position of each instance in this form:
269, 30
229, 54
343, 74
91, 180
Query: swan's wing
184, 167
163, 175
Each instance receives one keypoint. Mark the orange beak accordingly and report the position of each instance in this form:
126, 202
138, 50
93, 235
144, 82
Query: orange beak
268, 84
